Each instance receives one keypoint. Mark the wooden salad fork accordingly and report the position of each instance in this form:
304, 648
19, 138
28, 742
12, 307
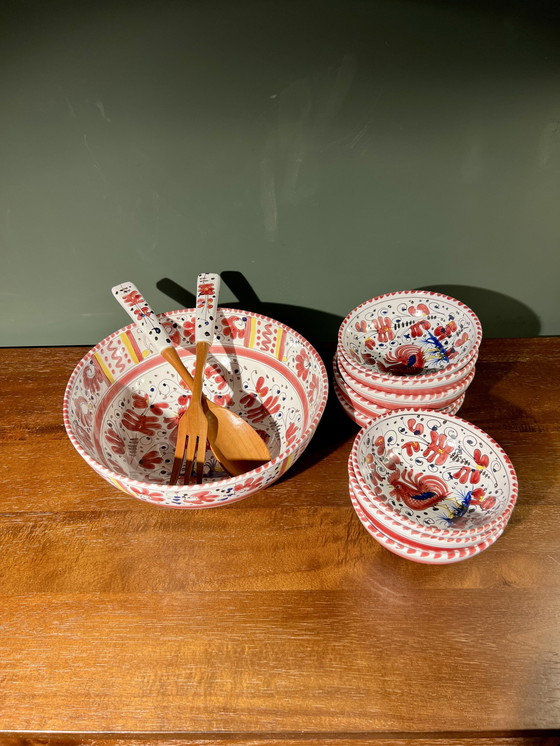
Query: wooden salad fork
192, 433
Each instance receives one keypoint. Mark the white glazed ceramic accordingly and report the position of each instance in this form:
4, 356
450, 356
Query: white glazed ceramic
394, 525
122, 404
365, 382
436, 470
429, 400
409, 334
362, 411
415, 554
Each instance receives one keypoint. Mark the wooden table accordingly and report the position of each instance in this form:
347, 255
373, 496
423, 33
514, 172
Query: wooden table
277, 619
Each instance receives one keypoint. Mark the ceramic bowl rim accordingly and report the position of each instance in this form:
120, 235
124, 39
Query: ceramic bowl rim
361, 400
412, 399
363, 418
441, 555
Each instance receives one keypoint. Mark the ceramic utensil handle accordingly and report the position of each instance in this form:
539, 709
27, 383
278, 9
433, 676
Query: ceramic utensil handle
140, 311
207, 290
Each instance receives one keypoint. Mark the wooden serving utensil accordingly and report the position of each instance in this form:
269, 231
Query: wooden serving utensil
234, 442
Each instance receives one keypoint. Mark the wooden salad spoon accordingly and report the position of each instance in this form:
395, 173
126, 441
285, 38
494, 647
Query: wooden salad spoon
234, 442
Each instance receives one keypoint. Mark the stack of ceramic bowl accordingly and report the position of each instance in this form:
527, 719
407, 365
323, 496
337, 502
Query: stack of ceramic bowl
429, 486
405, 349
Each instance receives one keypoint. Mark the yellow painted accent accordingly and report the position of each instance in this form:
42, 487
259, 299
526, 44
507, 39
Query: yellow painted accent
253, 332
278, 347
127, 343
288, 463
118, 486
104, 367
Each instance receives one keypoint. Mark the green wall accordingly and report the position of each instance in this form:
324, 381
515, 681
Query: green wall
316, 153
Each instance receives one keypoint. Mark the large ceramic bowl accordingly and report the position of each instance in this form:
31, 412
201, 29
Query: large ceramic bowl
436, 471
410, 334
122, 404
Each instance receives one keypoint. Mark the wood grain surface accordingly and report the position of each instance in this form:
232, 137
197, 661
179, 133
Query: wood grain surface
277, 619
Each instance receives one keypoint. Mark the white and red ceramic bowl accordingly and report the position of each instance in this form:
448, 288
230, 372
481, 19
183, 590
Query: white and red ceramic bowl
394, 525
122, 404
426, 399
421, 554
362, 411
435, 471
412, 335
366, 380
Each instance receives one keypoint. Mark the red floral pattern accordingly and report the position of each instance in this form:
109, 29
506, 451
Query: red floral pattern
116, 442
417, 329
438, 450
231, 328
150, 460
92, 377
140, 423
473, 474
303, 364
416, 428
384, 328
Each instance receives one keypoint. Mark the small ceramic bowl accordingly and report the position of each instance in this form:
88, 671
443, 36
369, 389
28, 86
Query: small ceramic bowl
410, 334
122, 404
365, 380
362, 412
369, 408
428, 400
435, 470
394, 525
423, 555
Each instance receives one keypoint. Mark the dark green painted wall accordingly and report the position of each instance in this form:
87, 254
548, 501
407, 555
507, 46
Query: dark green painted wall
319, 153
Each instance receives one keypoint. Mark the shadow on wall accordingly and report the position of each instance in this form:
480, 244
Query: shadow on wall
499, 314
318, 327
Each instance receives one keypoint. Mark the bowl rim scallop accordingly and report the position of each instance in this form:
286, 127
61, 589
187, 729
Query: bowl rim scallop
227, 481
362, 416
514, 492
426, 377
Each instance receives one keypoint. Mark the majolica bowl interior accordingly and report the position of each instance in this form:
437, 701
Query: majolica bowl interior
410, 333
435, 469
123, 402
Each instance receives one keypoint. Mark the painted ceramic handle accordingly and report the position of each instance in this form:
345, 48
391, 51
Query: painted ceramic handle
140, 311
207, 289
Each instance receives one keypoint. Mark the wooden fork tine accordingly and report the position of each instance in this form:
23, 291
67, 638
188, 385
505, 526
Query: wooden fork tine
179, 456
200, 456
190, 453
